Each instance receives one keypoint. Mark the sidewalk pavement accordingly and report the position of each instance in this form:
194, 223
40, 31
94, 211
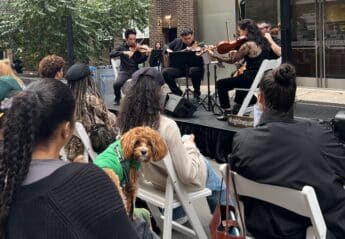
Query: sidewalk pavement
317, 95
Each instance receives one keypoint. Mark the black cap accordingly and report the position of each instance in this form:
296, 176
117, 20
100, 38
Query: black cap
149, 71
77, 72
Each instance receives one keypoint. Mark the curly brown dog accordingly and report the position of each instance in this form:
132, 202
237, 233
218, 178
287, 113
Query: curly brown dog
123, 157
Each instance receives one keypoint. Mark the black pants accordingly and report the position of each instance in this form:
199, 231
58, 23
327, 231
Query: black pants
195, 73
227, 84
122, 77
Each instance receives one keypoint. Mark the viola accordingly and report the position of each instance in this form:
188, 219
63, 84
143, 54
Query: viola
224, 47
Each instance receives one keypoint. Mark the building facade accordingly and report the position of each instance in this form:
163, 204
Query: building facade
317, 31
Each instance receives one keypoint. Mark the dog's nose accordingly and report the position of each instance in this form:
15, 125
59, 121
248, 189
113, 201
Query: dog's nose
143, 152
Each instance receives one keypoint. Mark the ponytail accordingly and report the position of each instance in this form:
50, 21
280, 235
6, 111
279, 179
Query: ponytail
32, 119
19, 138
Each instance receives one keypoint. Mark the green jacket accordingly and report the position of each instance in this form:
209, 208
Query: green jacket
112, 157
8, 87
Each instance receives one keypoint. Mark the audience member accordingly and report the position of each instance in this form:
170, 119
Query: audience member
42, 196
51, 67
9, 82
90, 108
289, 152
143, 106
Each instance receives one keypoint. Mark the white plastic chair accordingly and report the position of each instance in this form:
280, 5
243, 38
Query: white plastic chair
85, 139
265, 65
176, 195
116, 64
302, 202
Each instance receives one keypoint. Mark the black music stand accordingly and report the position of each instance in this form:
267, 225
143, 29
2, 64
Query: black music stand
185, 60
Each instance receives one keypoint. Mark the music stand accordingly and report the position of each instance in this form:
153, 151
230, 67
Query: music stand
185, 60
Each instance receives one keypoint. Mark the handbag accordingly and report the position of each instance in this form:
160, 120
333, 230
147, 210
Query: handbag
216, 231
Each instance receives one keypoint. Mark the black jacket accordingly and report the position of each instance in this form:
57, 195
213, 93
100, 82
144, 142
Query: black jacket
128, 64
75, 201
291, 153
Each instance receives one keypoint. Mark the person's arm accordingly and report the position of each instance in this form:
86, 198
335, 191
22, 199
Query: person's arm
274, 46
236, 160
120, 51
233, 56
185, 156
333, 151
93, 199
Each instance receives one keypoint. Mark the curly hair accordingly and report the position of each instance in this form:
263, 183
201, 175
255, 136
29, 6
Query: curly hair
50, 65
33, 119
254, 33
141, 106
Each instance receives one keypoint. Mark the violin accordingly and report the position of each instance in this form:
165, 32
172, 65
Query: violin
224, 47
143, 49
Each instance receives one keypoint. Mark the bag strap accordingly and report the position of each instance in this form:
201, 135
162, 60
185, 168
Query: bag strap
237, 199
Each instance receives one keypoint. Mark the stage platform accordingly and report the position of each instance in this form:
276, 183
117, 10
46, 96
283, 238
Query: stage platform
214, 137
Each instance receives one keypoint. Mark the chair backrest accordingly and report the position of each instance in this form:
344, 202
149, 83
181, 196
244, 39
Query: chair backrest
84, 137
302, 202
265, 65
116, 64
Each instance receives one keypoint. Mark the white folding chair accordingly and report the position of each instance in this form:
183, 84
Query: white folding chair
176, 195
265, 65
302, 202
116, 64
84, 137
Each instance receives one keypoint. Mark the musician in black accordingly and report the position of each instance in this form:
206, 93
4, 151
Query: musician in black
130, 58
195, 73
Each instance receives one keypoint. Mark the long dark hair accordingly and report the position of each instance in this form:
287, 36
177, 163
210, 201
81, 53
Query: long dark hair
80, 88
254, 33
32, 119
279, 88
141, 106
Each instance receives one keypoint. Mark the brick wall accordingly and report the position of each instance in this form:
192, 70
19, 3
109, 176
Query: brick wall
183, 14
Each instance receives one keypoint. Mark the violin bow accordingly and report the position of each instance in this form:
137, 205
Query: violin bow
227, 30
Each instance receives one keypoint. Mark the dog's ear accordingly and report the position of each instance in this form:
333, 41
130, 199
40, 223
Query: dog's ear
159, 148
128, 143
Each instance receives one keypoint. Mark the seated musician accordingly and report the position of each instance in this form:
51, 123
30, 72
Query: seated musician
267, 31
196, 73
130, 57
253, 51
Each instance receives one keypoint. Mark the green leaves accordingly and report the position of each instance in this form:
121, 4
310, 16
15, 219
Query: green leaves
35, 28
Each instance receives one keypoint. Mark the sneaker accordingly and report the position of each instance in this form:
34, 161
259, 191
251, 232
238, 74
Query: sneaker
182, 220
225, 115
236, 108
117, 101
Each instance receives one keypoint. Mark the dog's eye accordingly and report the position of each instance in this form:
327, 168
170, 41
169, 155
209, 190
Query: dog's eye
136, 143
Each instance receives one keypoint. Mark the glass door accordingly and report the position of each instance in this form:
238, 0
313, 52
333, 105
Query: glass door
304, 40
334, 39
318, 42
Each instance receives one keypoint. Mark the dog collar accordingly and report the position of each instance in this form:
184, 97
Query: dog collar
129, 163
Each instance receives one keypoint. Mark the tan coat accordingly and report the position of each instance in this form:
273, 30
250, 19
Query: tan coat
185, 156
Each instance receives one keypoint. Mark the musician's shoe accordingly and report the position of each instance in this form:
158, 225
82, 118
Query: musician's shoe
225, 115
236, 108
117, 101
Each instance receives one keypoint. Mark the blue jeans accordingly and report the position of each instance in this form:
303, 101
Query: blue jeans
214, 183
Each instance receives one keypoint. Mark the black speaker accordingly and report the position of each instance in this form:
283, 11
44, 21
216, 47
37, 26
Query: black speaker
179, 106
